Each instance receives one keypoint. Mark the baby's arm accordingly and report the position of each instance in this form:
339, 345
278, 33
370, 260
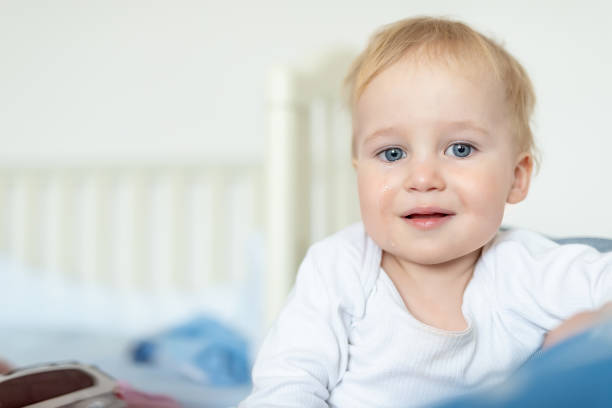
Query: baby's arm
559, 289
306, 351
577, 323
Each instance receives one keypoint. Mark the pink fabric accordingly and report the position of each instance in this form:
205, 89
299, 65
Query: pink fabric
4, 367
138, 399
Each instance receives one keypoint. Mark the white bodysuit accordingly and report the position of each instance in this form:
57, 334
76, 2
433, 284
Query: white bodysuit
345, 338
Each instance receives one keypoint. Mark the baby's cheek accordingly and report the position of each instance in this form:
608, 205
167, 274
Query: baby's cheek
376, 195
486, 191
368, 196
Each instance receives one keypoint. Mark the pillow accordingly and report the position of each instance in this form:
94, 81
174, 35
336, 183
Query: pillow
601, 244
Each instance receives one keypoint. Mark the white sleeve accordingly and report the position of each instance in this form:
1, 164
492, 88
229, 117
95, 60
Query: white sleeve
546, 283
306, 352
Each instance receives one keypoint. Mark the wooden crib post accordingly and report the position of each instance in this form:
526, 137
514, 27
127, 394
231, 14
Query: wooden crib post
287, 183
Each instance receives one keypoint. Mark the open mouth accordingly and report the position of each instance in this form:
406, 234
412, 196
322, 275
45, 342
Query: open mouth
427, 217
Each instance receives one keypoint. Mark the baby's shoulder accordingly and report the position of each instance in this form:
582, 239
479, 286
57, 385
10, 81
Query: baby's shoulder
515, 241
539, 277
349, 250
523, 254
350, 243
536, 245
347, 262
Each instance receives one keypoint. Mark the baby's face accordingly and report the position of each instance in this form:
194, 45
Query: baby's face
428, 136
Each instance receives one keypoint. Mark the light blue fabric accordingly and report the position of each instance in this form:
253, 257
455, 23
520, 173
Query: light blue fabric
202, 349
601, 244
574, 373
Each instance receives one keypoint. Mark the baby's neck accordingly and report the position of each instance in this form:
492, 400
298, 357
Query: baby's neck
433, 293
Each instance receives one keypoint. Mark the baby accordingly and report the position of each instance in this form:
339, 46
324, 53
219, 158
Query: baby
425, 298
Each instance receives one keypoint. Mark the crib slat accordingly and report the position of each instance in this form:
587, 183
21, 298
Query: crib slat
201, 235
161, 250
219, 226
52, 243
18, 217
123, 216
178, 269
4, 211
240, 222
86, 214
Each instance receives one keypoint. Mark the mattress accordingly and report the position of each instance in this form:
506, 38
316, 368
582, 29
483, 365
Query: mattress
111, 353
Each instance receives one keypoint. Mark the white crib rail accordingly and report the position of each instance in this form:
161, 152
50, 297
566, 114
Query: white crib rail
156, 228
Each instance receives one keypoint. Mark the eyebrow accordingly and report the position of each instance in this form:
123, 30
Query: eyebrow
466, 124
378, 133
459, 125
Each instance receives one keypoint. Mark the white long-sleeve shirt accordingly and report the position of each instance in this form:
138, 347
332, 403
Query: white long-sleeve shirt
345, 338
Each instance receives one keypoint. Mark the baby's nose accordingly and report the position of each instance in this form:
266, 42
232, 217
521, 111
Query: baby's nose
424, 176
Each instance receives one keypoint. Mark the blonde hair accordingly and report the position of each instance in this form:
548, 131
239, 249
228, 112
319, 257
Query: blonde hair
448, 41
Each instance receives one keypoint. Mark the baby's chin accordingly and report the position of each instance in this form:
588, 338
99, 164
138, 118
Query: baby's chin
429, 256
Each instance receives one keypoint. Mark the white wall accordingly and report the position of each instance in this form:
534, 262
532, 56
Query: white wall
185, 80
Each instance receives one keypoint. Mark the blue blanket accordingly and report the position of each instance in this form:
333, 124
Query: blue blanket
574, 373
202, 349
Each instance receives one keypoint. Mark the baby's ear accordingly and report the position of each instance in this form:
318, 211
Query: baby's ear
522, 177
354, 162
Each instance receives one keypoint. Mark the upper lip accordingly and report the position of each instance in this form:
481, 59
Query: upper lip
427, 210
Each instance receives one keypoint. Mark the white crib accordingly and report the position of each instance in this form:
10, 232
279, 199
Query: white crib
189, 235
93, 255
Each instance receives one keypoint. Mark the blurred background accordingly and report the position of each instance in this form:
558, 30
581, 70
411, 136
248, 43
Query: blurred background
186, 81
137, 103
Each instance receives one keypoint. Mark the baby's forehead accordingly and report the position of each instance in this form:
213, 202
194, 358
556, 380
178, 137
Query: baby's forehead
437, 95
475, 66
441, 82
477, 70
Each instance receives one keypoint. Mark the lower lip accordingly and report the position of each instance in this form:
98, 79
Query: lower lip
428, 223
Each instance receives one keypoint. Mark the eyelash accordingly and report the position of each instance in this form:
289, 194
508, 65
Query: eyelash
381, 155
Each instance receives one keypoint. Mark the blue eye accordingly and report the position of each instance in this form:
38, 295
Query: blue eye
461, 149
392, 154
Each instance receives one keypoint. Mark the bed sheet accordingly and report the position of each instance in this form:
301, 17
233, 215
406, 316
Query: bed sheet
46, 320
110, 353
